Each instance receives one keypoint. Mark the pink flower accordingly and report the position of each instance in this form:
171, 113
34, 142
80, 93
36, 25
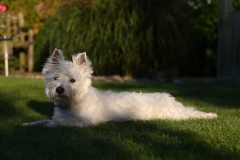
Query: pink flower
3, 8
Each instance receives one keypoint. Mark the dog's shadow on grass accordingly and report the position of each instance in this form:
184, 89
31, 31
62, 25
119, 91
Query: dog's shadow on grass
164, 140
167, 141
134, 139
45, 108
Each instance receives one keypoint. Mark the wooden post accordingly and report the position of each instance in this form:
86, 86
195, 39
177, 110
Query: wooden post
30, 50
22, 61
224, 40
5, 48
21, 24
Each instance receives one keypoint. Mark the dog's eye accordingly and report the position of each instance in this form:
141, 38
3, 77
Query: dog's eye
72, 80
55, 78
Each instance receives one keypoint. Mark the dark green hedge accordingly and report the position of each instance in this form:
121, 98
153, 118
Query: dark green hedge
125, 37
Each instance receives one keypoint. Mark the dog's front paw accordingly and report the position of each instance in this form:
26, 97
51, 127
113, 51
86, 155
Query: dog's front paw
52, 123
27, 124
64, 123
42, 122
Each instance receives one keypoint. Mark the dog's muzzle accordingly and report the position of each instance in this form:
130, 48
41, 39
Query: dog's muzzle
60, 90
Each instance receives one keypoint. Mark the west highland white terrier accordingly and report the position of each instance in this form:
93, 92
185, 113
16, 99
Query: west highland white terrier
77, 103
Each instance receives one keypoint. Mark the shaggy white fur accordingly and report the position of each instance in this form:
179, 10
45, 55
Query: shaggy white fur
77, 103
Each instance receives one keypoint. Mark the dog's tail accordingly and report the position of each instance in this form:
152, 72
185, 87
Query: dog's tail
176, 110
200, 114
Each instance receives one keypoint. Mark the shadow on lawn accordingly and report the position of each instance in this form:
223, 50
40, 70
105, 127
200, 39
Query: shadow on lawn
7, 109
164, 141
45, 108
129, 140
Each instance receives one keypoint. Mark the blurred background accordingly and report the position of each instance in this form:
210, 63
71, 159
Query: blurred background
138, 38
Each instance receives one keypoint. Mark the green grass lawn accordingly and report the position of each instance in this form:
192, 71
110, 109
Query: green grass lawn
23, 100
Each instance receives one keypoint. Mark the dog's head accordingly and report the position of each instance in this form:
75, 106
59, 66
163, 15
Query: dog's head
67, 82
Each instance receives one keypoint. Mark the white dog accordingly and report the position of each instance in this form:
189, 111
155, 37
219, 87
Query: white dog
77, 103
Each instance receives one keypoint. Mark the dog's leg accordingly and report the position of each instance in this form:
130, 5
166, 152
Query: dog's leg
60, 122
40, 123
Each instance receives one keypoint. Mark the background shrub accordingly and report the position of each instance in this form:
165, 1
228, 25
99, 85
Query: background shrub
134, 37
130, 37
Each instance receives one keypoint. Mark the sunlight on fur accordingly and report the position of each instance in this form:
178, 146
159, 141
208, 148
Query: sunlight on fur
77, 103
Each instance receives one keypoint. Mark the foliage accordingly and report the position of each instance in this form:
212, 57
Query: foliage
156, 139
22, 6
205, 22
206, 26
134, 37
13, 64
35, 11
236, 4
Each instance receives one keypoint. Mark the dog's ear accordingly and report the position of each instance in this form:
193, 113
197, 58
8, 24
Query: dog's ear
55, 59
57, 56
80, 59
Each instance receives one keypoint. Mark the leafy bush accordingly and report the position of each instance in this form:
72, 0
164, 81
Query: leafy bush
134, 37
13, 64
131, 37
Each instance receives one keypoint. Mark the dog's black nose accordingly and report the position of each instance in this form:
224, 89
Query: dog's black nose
60, 90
